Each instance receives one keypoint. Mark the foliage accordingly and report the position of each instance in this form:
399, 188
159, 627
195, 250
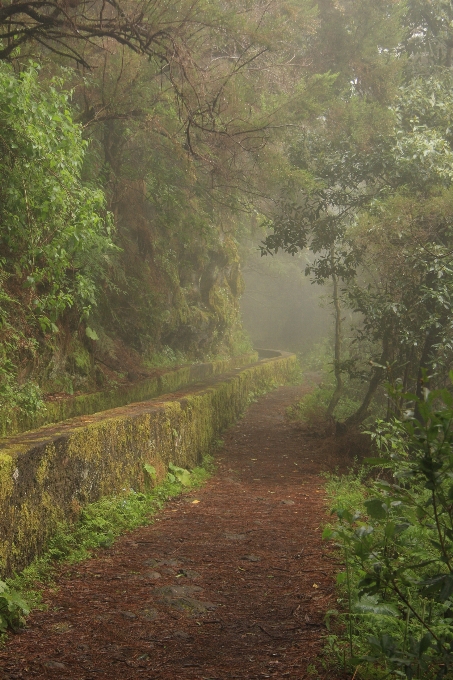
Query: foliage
397, 545
240, 342
56, 236
13, 609
166, 357
178, 474
181, 166
318, 359
331, 121
181, 143
313, 407
54, 230
372, 195
25, 397
66, 31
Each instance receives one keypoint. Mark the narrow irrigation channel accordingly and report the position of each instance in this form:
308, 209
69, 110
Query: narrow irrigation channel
230, 581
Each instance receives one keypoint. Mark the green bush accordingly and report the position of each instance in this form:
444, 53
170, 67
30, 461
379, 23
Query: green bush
313, 407
55, 232
396, 535
13, 609
55, 238
167, 357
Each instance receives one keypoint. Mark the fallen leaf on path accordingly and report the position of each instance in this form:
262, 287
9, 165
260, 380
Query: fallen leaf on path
251, 558
194, 502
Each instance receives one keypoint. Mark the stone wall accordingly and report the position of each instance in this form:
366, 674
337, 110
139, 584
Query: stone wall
163, 382
47, 475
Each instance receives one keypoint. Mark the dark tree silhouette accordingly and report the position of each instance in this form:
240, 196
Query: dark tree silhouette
65, 26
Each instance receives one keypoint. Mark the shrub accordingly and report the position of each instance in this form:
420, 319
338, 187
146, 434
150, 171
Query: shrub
398, 548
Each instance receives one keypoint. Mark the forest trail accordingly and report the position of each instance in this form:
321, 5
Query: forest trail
230, 581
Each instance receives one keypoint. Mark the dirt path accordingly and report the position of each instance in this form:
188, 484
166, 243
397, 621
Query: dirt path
231, 581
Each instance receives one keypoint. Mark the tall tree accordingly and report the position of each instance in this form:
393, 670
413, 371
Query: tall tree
382, 165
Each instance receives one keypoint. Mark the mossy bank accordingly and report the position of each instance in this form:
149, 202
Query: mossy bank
48, 475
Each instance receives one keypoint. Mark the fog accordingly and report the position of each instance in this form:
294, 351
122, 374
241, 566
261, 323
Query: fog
281, 309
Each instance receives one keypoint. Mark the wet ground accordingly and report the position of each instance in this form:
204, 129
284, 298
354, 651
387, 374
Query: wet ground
230, 581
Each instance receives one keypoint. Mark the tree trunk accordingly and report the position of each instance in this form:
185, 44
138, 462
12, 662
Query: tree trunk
431, 339
376, 379
338, 339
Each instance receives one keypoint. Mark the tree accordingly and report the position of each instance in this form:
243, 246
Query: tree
379, 170
180, 172
342, 162
66, 27
428, 39
56, 235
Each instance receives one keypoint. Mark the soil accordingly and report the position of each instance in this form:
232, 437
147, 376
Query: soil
230, 581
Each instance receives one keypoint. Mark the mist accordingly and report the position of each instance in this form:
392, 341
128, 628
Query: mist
280, 307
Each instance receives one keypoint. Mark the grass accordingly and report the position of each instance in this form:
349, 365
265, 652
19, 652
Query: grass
166, 358
347, 490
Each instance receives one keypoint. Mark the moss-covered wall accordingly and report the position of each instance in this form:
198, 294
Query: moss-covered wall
48, 474
86, 404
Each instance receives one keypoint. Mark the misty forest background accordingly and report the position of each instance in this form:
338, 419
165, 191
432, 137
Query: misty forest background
150, 149
169, 167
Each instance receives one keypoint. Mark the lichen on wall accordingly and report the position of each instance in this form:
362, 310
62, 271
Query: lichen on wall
46, 474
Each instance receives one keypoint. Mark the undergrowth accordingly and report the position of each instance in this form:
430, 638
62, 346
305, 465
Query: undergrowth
97, 527
394, 528
166, 358
312, 408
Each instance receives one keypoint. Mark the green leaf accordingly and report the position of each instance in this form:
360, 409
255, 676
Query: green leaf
91, 333
376, 508
380, 462
425, 644
150, 470
185, 478
369, 604
341, 577
13, 608
390, 529
344, 514
182, 475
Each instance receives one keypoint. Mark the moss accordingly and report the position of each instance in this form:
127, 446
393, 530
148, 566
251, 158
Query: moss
60, 468
87, 404
42, 471
78, 359
172, 380
7, 468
